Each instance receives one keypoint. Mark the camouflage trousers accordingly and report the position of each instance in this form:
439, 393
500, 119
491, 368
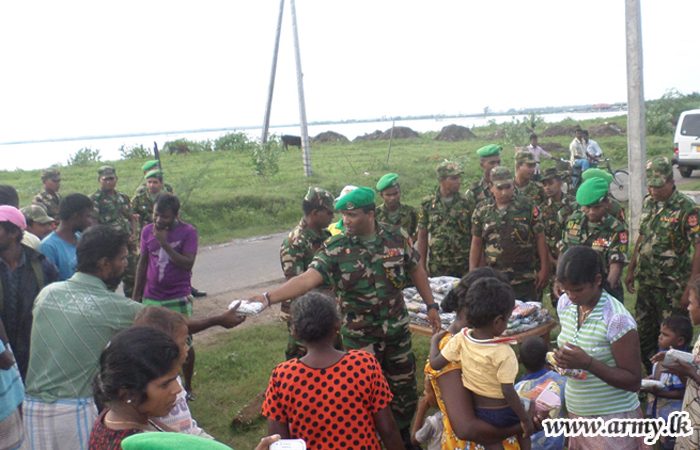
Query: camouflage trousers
527, 292
129, 278
653, 305
450, 270
398, 363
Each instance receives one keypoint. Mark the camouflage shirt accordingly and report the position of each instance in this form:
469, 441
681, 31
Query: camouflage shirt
369, 278
509, 237
616, 210
449, 228
407, 218
49, 201
115, 211
608, 237
667, 233
142, 204
554, 215
478, 192
533, 190
166, 188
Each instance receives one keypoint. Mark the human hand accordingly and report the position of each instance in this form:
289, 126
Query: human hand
558, 291
572, 356
161, 235
230, 318
542, 279
434, 319
681, 369
437, 337
266, 441
629, 282
658, 357
258, 299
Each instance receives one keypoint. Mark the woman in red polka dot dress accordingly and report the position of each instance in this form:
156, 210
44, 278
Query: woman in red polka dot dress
329, 398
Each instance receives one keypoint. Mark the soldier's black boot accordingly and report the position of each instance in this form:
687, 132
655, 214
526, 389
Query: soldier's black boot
198, 293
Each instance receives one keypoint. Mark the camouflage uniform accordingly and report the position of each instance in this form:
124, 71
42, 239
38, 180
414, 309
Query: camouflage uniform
534, 191
554, 216
450, 234
478, 192
616, 210
142, 204
50, 202
667, 234
608, 238
509, 241
296, 253
369, 278
116, 211
407, 219
166, 188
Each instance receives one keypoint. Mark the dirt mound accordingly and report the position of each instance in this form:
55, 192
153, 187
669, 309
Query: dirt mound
399, 133
500, 134
553, 147
605, 130
455, 133
329, 136
560, 130
370, 136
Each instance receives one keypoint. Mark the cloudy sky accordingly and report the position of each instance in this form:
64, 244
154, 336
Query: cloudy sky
74, 68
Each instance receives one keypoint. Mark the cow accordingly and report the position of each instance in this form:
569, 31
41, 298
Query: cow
288, 140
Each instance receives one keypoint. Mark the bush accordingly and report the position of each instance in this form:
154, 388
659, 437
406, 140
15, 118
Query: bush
517, 133
662, 114
265, 158
234, 142
84, 157
134, 152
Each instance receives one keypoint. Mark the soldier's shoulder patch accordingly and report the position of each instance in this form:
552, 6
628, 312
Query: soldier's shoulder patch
623, 237
535, 211
693, 220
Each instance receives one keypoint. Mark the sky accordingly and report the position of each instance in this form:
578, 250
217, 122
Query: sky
77, 68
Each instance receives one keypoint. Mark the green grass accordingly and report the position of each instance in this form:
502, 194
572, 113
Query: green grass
225, 200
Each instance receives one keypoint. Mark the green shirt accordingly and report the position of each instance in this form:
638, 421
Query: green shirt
607, 237
407, 218
448, 227
114, 210
534, 190
50, 202
554, 216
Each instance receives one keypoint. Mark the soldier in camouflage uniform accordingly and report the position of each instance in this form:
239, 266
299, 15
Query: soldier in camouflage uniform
669, 233
148, 167
592, 226
369, 264
525, 167
393, 212
49, 198
445, 218
298, 250
615, 208
490, 157
114, 208
508, 235
143, 201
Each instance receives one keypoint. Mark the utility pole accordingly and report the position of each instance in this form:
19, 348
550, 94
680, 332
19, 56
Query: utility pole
271, 88
302, 104
636, 126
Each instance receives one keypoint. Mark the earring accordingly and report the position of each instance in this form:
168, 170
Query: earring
128, 401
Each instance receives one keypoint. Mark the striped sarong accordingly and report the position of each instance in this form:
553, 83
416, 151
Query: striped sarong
12, 432
62, 425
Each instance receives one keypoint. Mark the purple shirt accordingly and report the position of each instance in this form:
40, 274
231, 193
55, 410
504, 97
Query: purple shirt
164, 280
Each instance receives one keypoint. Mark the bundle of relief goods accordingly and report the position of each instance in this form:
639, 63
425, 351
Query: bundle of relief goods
577, 374
418, 312
245, 308
546, 395
526, 316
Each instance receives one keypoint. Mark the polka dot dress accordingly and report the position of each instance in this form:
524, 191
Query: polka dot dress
329, 408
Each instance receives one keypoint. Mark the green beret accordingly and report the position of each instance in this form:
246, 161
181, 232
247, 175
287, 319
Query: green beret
448, 169
592, 191
387, 181
148, 165
320, 197
597, 173
525, 157
170, 441
500, 176
489, 150
155, 173
106, 170
357, 198
550, 174
659, 169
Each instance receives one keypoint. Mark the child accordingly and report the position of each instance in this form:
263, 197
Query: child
489, 365
676, 332
533, 354
430, 430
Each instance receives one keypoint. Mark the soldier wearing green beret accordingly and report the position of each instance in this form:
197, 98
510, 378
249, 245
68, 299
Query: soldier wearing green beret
592, 226
444, 218
369, 264
615, 208
490, 157
525, 167
508, 235
143, 201
148, 167
300, 247
392, 211
49, 197
113, 208
666, 256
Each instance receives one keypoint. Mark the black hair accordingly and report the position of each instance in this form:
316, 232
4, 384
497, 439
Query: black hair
681, 325
455, 300
309, 207
487, 299
533, 353
160, 318
371, 207
73, 204
98, 242
29, 221
580, 265
8, 195
313, 316
585, 132
533, 136
167, 201
11, 228
131, 360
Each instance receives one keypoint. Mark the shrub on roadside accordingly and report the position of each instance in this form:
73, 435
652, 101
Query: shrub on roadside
84, 157
265, 158
662, 114
234, 142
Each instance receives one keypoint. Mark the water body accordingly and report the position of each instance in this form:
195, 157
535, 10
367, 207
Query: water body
32, 156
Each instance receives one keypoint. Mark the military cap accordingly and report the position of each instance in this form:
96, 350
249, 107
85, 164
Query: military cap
37, 214
500, 176
387, 181
154, 173
51, 174
345, 190
659, 169
489, 150
106, 170
448, 169
170, 441
592, 191
525, 157
355, 199
148, 165
319, 197
597, 173
551, 173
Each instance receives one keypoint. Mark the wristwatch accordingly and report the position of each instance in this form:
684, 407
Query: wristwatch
433, 306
